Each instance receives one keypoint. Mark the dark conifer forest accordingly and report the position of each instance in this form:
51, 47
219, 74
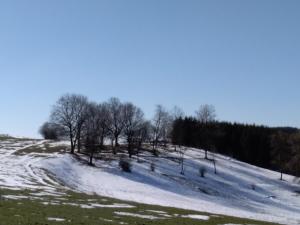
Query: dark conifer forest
272, 148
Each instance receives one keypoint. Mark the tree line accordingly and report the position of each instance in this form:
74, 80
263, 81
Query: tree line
90, 126
272, 148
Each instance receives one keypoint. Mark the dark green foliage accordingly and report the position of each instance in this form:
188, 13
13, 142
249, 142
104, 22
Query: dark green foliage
50, 131
249, 143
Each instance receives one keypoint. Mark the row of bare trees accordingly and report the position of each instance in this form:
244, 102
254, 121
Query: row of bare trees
89, 125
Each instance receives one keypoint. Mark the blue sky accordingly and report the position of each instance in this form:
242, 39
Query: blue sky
241, 56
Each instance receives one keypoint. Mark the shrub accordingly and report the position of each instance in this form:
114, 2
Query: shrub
152, 167
202, 171
50, 131
125, 165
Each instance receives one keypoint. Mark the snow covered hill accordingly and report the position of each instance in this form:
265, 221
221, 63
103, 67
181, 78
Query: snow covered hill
238, 189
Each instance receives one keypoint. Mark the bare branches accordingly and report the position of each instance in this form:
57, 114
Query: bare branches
133, 122
206, 113
70, 113
116, 119
161, 125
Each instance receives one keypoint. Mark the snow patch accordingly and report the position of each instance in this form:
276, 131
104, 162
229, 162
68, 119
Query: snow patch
137, 215
55, 219
197, 217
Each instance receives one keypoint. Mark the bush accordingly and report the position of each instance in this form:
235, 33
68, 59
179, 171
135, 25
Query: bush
152, 167
125, 165
50, 131
202, 171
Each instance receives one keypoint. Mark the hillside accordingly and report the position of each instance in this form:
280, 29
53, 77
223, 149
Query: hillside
46, 174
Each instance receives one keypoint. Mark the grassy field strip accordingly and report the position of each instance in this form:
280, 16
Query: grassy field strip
19, 207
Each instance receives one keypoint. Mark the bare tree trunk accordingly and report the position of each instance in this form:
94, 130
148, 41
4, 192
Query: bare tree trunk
72, 147
78, 135
182, 166
139, 148
129, 147
215, 166
72, 143
79, 144
130, 153
116, 141
115, 145
112, 144
91, 158
102, 140
154, 148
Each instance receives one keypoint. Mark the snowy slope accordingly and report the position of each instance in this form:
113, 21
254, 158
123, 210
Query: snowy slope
20, 171
239, 189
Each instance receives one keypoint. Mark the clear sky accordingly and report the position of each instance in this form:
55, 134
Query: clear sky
241, 56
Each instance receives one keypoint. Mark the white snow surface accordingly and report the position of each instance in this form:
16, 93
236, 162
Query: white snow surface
56, 219
18, 172
238, 189
229, 192
197, 217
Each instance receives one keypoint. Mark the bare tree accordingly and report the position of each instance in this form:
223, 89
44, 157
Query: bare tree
92, 131
206, 113
69, 112
181, 152
116, 117
160, 126
133, 120
82, 117
177, 113
104, 121
143, 134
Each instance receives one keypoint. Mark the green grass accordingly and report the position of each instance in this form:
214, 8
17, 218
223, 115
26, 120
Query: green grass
4, 137
33, 211
44, 148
